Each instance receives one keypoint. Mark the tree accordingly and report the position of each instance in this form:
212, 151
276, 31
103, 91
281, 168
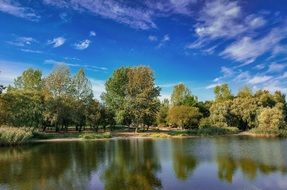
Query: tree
22, 108
93, 114
163, 112
132, 95
82, 86
59, 82
115, 95
245, 92
221, 115
2, 88
222, 92
181, 95
30, 79
184, 116
271, 118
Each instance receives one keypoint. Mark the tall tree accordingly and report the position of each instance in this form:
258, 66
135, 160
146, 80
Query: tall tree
59, 82
82, 86
132, 95
179, 94
31, 79
222, 92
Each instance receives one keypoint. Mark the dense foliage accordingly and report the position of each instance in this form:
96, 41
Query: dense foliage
61, 101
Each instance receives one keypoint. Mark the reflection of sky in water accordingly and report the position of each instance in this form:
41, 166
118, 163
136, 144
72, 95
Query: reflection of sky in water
200, 163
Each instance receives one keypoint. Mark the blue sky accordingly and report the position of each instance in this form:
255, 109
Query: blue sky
201, 43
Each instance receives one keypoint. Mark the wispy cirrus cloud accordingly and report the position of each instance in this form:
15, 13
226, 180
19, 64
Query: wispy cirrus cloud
88, 67
247, 50
16, 9
82, 44
57, 42
31, 51
140, 17
23, 41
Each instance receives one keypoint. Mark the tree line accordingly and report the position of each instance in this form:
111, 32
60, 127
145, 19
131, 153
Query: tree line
131, 98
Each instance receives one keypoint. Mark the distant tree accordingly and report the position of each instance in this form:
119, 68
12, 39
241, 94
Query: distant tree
2, 88
30, 79
93, 114
59, 82
184, 116
82, 86
181, 95
163, 112
222, 92
245, 92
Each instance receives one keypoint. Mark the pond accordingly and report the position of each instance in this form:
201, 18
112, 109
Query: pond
122, 164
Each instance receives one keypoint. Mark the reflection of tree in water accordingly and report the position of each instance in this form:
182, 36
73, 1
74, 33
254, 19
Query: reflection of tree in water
133, 166
263, 156
49, 166
184, 163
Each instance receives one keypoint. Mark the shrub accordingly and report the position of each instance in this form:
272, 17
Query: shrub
10, 136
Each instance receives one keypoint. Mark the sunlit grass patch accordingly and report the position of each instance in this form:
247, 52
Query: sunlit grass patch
11, 136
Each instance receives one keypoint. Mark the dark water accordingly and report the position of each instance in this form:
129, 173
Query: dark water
201, 163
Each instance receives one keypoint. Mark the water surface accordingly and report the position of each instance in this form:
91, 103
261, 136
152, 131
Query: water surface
123, 164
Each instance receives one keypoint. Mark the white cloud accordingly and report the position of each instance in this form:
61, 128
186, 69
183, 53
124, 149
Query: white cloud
23, 41
112, 9
247, 50
57, 42
88, 67
276, 68
31, 51
223, 19
163, 41
211, 86
93, 33
259, 79
15, 9
82, 44
152, 38
139, 17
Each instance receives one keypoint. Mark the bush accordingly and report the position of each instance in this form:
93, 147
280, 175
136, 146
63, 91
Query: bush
11, 136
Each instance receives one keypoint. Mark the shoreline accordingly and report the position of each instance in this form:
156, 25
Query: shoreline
132, 135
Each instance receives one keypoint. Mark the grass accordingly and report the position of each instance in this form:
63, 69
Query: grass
268, 132
43, 135
206, 131
91, 136
11, 136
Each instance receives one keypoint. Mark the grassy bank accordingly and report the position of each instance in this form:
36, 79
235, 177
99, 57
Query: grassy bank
84, 136
206, 131
11, 136
268, 132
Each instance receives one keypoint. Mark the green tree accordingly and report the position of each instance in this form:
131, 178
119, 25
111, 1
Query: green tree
59, 82
222, 92
184, 116
30, 79
163, 112
82, 86
181, 95
132, 95
93, 114
271, 118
